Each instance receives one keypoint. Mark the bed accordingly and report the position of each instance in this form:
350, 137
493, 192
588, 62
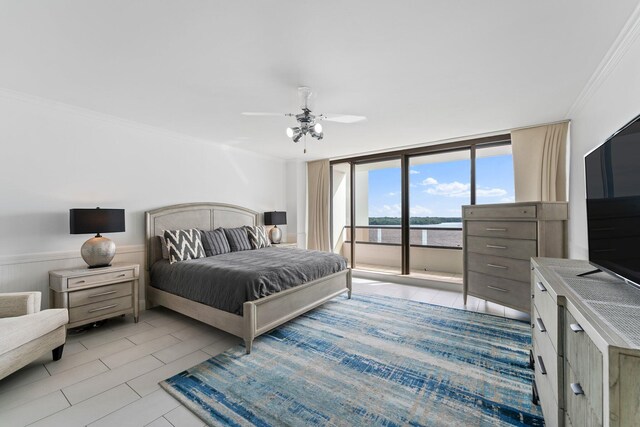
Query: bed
255, 317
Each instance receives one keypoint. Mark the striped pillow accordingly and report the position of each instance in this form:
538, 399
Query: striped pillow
183, 244
258, 236
215, 242
238, 239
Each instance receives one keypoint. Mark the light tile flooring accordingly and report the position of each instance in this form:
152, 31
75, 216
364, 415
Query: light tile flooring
108, 376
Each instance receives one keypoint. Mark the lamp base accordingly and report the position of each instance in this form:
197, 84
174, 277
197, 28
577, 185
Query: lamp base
275, 235
98, 252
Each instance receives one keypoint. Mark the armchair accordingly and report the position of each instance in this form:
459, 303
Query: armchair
26, 333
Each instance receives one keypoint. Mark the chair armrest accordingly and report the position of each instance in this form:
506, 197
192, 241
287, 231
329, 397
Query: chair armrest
19, 303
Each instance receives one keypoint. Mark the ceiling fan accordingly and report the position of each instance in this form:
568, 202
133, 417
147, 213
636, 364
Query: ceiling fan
308, 123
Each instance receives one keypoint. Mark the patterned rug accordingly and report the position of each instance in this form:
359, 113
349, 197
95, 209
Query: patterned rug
370, 361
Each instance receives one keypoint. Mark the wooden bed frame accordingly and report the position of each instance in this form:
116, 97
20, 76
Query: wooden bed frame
259, 316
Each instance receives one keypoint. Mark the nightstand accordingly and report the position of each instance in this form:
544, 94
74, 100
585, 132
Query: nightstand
92, 294
285, 245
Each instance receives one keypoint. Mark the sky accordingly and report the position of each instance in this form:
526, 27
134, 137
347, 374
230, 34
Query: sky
440, 189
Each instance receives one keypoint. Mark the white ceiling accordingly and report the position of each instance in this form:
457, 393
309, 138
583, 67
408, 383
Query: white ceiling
421, 71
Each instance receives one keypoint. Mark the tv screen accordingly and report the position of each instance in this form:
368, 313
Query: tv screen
612, 173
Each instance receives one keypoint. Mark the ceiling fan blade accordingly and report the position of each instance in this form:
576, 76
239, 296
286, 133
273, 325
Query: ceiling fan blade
251, 113
342, 118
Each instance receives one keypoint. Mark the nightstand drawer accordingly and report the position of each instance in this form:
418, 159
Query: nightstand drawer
505, 229
510, 248
505, 291
101, 308
91, 279
508, 268
98, 294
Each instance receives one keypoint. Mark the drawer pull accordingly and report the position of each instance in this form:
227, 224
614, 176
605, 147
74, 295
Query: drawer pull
495, 288
79, 281
541, 287
540, 324
497, 266
495, 229
543, 370
576, 388
102, 294
103, 308
576, 328
496, 247
121, 275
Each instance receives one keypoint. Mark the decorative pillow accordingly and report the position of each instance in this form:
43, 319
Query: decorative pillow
215, 242
238, 239
258, 236
183, 244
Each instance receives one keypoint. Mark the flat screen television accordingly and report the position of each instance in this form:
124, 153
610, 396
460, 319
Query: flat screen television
612, 174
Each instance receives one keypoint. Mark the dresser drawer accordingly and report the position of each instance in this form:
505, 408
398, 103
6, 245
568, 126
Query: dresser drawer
88, 296
550, 408
510, 248
548, 313
547, 360
101, 308
508, 292
92, 279
479, 212
508, 268
505, 229
581, 405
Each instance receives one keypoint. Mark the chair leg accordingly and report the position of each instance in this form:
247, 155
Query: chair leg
57, 352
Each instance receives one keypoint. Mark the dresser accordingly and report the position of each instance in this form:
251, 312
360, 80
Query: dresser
95, 294
498, 243
586, 345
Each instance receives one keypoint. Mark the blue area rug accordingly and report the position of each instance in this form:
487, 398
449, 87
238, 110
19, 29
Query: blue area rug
370, 361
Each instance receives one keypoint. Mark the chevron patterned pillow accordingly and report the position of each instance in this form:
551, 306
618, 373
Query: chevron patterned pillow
183, 244
258, 236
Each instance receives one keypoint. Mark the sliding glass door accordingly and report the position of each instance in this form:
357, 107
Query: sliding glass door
439, 184
378, 216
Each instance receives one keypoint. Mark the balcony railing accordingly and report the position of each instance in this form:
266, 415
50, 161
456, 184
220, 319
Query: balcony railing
421, 236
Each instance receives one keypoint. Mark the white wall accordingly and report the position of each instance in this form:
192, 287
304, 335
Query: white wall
610, 101
56, 157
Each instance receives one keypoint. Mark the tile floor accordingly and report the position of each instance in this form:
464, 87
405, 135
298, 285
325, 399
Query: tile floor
108, 376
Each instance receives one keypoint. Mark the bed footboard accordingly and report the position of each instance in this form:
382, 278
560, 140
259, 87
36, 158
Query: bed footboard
262, 315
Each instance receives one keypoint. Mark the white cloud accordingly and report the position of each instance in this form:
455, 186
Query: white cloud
490, 192
419, 211
450, 189
392, 194
509, 199
413, 172
429, 181
386, 210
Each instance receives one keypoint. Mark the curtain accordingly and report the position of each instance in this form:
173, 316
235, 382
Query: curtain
318, 192
539, 163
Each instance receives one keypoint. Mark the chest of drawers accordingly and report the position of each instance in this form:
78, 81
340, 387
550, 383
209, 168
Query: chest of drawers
499, 241
95, 294
586, 350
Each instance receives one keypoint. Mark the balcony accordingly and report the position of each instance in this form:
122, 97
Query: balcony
435, 252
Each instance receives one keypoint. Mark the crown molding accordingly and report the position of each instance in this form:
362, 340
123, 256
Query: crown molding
120, 121
612, 58
58, 256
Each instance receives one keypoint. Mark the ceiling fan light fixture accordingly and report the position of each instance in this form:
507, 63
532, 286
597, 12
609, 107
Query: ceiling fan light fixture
291, 132
317, 128
297, 137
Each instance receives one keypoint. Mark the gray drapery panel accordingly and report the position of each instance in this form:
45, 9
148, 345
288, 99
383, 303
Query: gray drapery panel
539, 163
318, 192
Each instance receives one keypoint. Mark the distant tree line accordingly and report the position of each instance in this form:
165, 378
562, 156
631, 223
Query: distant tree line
414, 220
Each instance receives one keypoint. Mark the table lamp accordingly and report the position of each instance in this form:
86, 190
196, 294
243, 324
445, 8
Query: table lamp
275, 218
97, 251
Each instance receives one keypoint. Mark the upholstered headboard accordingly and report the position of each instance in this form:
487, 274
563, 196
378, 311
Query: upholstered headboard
204, 216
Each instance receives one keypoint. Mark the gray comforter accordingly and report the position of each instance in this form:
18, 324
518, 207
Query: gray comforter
227, 281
